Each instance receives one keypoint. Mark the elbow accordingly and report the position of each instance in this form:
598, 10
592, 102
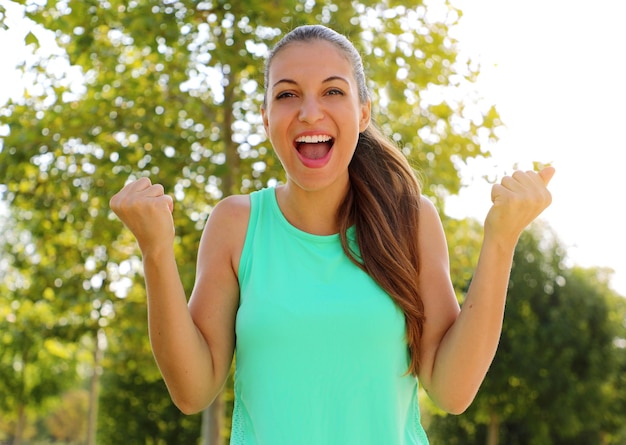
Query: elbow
189, 410
456, 409
190, 403
456, 403
189, 407
191, 398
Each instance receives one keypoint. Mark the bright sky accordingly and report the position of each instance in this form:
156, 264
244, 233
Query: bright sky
556, 70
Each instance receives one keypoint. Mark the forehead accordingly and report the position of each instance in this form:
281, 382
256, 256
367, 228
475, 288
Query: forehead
309, 59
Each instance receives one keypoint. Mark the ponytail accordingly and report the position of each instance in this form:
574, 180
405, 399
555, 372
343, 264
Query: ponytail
383, 205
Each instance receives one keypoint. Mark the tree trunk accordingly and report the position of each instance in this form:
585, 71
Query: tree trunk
493, 429
94, 386
20, 425
211, 423
232, 176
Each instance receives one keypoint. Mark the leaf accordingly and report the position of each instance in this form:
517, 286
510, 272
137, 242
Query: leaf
3, 16
31, 39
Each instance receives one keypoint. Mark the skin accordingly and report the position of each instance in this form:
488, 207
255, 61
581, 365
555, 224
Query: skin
194, 343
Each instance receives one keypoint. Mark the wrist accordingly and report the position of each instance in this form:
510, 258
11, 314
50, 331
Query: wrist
502, 245
156, 252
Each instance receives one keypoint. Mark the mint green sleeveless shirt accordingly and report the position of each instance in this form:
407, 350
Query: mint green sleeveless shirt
321, 353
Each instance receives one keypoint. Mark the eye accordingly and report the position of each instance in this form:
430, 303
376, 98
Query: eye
285, 95
334, 92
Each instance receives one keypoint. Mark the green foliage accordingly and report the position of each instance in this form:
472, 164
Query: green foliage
555, 378
140, 412
68, 421
39, 352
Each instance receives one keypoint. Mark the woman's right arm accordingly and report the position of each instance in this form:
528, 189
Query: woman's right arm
193, 343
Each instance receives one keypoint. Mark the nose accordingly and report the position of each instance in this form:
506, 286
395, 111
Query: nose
310, 110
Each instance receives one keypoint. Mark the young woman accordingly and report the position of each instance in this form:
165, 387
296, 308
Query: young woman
333, 288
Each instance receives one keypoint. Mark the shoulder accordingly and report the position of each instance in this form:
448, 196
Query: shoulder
429, 219
231, 214
433, 246
232, 210
234, 206
427, 205
225, 230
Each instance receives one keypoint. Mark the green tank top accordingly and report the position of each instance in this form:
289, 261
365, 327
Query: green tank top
321, 354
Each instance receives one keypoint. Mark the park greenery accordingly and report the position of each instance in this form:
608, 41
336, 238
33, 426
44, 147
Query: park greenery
172, 89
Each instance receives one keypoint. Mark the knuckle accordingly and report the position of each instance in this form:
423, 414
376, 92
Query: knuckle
548, 197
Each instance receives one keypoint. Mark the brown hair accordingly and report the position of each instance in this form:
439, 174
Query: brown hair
382, 202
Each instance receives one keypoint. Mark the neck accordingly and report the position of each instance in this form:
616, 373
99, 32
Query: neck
313, 212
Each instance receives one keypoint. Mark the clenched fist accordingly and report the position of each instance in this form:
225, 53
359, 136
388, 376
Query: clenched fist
147, 211
517, 201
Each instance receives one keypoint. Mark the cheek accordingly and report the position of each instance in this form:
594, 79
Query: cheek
276, 135
275, 124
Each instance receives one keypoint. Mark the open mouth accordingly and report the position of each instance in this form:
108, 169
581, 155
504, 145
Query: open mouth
314, 147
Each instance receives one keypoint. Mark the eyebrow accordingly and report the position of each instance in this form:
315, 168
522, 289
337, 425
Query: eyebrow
329, 79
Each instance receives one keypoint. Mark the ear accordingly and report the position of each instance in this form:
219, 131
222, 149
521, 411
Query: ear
366, 115
266, 121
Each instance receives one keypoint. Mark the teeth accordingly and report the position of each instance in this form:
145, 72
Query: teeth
314, 139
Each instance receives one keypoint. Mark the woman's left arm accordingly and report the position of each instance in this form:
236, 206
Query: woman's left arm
458, 346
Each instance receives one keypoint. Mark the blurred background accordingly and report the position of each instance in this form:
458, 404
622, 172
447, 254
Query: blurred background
96, 93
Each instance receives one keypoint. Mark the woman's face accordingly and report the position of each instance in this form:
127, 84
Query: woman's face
313, 115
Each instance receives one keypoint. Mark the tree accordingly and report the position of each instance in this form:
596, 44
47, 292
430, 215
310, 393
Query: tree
36, 361
554, 375
172, 89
